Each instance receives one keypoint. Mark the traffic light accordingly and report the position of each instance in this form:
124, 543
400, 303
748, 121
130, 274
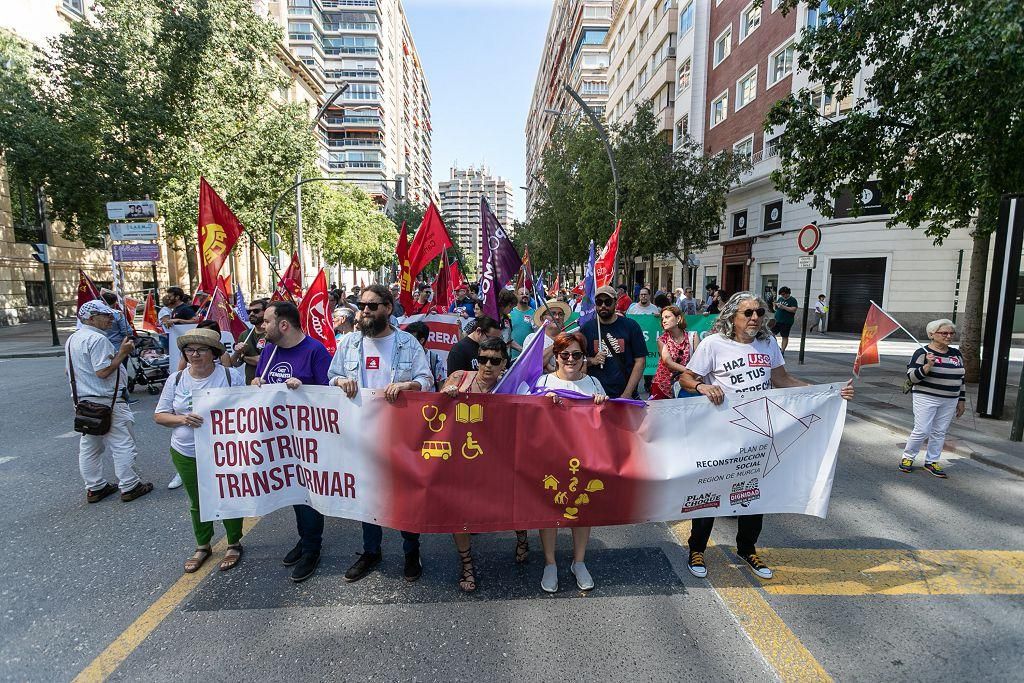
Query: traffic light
400, 187
40, 252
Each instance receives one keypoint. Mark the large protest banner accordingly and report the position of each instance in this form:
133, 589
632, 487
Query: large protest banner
445, 330
650, 325
478, 463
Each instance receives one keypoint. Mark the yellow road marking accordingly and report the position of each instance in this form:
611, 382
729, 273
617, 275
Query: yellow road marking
119, 650
812, 571
778, 644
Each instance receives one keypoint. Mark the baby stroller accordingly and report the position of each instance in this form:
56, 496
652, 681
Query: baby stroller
150, 365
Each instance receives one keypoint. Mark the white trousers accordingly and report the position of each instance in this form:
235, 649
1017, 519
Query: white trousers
121, 440
932, 416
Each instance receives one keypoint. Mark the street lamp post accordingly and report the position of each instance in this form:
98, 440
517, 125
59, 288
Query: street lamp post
298, 181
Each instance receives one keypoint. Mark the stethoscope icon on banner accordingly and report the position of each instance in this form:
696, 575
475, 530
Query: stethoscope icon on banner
435, 422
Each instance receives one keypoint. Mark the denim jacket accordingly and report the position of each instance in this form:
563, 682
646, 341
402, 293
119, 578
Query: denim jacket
408, 363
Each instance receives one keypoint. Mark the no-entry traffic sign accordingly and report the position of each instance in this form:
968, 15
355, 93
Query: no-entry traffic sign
808, 238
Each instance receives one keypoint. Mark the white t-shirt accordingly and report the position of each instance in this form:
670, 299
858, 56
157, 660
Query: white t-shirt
177, 399
738, 368
89, 350
165, 312
548, 343
640, 309
820, 307
377, 354
585, 385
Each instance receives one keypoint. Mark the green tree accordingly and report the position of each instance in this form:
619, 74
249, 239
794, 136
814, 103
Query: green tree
356, 231
939, 124
408, 212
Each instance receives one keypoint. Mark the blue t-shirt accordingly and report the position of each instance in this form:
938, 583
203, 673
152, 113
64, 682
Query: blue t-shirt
522, 326
307, 361
623, 342
466, 305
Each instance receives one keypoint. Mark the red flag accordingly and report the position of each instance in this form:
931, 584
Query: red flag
555, 286
428, 243
443, 285
455, 277
289, 288
87, 289
527, 271
877, 326
223, 312
315, 315
604, 267
218, 233
149, 320
129, 311
405, 279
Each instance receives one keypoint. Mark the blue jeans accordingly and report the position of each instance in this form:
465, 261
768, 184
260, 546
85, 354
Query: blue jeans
310, 524
372, 535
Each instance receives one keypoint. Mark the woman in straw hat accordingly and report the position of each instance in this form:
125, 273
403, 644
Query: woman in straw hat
199, 348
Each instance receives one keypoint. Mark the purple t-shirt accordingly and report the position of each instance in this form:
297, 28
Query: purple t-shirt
307, 361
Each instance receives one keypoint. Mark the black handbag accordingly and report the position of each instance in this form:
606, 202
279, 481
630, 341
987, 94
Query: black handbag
92, 418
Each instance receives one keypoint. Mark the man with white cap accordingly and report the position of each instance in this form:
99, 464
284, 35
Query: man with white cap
95, 373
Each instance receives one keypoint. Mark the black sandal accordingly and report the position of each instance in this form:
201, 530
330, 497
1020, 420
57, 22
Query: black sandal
522, 547
198, 559
231, 560
468, 581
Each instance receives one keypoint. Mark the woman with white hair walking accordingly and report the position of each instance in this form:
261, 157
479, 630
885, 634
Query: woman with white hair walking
936, 373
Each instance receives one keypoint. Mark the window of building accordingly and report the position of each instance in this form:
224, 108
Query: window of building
602, 12
776, 4
745, 148
772, 216
750, 19
723, 45
686, 18
35, 292
739, 223
685, 70
595, 60
746, 89
780, 64
667, 5
771, 147
818, 16
300, 30
593, 36
720, 109
815, 98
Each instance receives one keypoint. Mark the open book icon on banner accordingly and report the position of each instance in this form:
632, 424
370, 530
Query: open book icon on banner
469, 413
766, 417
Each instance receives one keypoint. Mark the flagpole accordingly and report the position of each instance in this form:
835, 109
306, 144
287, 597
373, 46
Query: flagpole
897, 323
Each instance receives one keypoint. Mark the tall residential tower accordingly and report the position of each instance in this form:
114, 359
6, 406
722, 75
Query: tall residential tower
460, 204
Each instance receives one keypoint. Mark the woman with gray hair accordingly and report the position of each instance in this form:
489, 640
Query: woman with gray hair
936, 373
739, 359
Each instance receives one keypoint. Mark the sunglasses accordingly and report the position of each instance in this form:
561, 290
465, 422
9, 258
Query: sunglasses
490, 360
603, 301
196, 350
751, 311
254, 311
574, 355
372, 305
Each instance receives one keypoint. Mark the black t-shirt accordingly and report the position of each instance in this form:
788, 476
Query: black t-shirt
463, 355
183, 312
623, 341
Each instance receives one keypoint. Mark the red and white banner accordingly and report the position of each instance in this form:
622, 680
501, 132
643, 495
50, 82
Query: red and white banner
445, 330
433, 464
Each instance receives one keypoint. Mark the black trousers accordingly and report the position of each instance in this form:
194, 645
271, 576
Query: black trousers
749, 528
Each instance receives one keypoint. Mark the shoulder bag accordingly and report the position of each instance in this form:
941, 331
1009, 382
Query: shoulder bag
92, 418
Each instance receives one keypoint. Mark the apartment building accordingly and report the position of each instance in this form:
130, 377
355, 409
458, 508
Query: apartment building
575, 53
380, 128
642, 55
733, 61
460, 204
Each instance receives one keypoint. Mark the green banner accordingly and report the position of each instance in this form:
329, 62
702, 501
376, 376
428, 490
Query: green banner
650, 325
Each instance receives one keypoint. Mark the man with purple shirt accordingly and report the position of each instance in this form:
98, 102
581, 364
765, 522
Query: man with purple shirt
293, 359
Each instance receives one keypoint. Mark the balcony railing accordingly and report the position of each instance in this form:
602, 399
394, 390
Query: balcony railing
356, 164
354, 121
354, 142
346, 50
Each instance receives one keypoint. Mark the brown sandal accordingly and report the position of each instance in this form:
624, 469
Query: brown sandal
468, 581
522, 547
232, 557
197, 560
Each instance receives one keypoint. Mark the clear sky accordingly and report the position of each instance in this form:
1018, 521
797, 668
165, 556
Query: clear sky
480, 58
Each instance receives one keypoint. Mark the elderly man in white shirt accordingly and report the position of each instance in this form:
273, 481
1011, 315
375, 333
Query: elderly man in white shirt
95, 373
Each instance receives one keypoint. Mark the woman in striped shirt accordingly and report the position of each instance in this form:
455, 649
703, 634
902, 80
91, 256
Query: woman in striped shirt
936, 374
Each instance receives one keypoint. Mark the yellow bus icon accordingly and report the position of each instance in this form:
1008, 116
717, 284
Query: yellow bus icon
436, 449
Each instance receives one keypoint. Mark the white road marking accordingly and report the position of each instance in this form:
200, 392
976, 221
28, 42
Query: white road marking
7, 458
67, 435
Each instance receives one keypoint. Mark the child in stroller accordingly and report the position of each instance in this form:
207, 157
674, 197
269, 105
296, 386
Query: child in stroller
149, 364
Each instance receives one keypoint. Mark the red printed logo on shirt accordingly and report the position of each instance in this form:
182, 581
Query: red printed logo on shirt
373, 362
759, 360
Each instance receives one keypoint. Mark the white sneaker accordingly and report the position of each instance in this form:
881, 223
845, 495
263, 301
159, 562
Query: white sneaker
549, 582
583, 578
175, 483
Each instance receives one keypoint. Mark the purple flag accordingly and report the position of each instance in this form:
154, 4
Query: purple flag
522, 377
500, 263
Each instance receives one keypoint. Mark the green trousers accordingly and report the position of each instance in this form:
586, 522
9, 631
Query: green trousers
186, 467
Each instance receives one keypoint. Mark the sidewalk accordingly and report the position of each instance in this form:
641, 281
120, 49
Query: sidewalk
880, 399
34, 340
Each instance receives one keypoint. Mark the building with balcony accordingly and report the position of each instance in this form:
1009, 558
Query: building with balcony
575, 53
379, 129
460, 204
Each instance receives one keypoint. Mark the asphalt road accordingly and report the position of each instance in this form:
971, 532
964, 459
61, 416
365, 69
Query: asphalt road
910, 578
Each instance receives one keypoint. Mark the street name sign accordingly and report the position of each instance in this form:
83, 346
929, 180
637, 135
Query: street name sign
147, 231
136, 252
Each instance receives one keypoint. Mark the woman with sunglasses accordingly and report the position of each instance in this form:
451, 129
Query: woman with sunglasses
569, 356
492, 359
675, 347
936, 375
740, 359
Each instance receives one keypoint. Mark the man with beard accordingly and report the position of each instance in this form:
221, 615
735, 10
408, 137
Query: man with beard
378, 355
616, 348
250, 346
181, 310
293, 359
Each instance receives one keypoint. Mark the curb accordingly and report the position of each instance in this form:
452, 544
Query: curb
33, 354
966, 451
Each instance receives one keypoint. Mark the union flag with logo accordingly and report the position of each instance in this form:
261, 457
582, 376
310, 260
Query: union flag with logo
877, 326
219, 230
315, 315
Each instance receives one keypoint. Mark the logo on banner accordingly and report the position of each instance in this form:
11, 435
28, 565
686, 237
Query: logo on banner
759, 360
279, 373
701, 501
572, 499
373, 362
767, 418
744, 493
214, 242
